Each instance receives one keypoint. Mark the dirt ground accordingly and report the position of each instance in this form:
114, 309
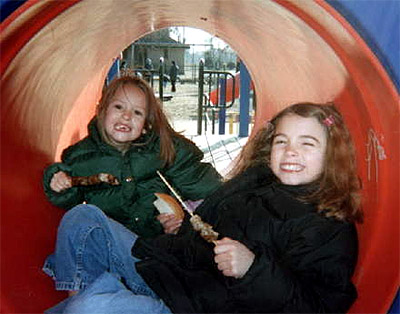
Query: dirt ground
183, 105
181, 110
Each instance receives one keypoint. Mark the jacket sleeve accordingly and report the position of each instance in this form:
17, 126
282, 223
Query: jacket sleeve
65, 199
312, 275
194, 179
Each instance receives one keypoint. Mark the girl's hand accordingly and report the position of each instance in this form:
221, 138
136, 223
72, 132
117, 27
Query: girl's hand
60, 182
170, 223
232, 257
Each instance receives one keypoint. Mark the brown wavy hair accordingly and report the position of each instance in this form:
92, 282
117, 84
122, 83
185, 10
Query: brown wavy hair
156, 121
338, 188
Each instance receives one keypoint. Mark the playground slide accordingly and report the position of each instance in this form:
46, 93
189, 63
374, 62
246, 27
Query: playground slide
55, 56
229, 95
228, 92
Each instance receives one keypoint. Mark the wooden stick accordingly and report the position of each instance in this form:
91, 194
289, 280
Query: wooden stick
205, 229
175, 193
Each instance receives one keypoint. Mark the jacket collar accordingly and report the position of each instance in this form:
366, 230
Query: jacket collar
283, 200
249, 180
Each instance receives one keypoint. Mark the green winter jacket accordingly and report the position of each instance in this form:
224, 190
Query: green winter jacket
131, 202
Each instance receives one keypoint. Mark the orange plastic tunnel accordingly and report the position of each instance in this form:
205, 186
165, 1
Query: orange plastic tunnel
55, 56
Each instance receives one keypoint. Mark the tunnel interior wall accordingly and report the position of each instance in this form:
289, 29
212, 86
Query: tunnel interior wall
55, 56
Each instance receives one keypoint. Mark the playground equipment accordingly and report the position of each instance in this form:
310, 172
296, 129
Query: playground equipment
230, 90
55, 56
212, 95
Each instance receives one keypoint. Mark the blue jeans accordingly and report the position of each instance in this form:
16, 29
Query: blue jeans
93, 255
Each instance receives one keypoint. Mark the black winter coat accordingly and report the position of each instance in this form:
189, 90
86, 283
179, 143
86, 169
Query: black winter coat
304, 262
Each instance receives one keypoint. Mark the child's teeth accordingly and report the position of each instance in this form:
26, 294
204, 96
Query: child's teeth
122, 128
292, 167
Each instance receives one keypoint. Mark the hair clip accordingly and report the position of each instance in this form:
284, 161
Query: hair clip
329, 121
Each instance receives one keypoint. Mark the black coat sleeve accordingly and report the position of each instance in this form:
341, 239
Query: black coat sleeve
310, 273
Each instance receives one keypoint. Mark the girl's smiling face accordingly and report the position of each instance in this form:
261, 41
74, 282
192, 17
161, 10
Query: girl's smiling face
126, 115
298, 150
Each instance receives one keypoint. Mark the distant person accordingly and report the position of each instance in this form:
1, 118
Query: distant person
123, 67
173, 75
149, 67
148, 64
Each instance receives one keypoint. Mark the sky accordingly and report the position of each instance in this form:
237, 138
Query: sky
198, 36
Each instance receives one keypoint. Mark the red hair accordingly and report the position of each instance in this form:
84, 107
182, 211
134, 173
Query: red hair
338, 187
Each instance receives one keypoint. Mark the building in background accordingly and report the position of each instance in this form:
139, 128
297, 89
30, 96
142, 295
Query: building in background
154, 46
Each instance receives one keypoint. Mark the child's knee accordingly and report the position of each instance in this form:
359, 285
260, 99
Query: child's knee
81, 305
104, 296
81, 213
